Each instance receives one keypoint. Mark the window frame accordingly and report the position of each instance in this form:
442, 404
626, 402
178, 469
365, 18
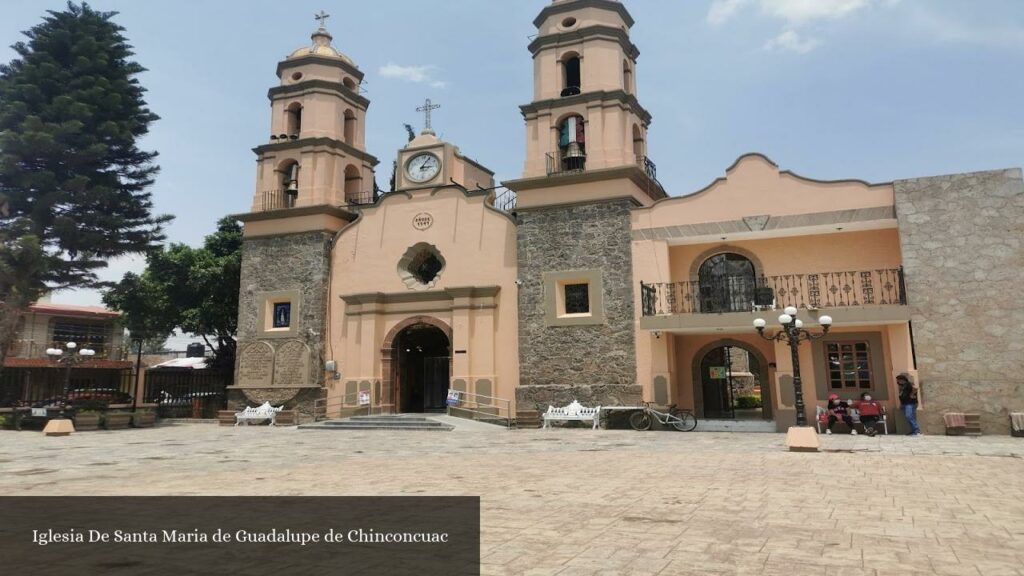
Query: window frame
861, 361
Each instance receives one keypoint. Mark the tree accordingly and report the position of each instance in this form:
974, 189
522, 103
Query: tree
194, 290
73, 182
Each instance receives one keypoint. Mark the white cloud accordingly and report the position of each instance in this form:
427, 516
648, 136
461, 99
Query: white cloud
722, 11
797, 14
792, 41
416, 74
936, 27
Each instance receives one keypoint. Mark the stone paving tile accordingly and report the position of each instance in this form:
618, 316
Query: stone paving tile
608, 502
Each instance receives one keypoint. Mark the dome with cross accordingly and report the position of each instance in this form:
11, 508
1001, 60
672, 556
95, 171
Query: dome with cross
321, 44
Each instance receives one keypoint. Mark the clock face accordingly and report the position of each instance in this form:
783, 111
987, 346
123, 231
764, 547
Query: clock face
423, 167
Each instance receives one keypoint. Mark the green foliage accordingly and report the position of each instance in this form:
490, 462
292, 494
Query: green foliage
72, 179
192, 289
748, 402
71, 110
91, 405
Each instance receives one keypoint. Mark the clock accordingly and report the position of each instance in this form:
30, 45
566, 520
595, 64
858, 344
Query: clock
423, 167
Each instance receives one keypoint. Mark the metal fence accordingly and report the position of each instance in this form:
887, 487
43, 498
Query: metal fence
178, 393
45, 386
745, 294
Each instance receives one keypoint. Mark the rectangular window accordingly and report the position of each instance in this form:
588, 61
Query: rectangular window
849, 365
85, 335
577, 298
282, 315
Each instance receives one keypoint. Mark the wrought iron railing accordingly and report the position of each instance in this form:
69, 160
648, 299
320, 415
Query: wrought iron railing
275, 200
505, 201
480, 407
568, 165
363, 198
648, 166
746, 294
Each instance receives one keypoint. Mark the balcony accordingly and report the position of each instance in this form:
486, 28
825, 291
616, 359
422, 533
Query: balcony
271, 200
745, 295
557, 164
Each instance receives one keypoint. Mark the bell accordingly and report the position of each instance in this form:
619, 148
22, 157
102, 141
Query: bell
574, 151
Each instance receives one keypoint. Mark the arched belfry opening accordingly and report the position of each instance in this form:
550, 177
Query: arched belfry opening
350, 127
289, 175
422, 368
638, 143
353, 183
627, 77
572, 144
572, 75
293, 120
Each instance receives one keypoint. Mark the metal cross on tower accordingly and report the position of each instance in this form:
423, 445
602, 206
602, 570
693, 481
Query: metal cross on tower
427, 109
322, 19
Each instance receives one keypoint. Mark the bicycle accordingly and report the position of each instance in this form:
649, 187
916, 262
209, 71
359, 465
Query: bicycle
681, 420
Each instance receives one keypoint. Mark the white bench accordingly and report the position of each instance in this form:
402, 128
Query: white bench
574, 412
259, 414
821, 416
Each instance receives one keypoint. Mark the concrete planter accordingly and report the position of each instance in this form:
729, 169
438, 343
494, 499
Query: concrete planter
145, 419
87, 421
226, 417
117, 420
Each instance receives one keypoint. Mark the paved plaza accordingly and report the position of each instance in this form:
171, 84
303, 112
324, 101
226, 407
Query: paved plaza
582, 502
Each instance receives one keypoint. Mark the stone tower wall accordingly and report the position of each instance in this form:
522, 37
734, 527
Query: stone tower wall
592, 364
963, 250
295, 262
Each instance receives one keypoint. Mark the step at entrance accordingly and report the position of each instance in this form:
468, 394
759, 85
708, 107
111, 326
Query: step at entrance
400, 422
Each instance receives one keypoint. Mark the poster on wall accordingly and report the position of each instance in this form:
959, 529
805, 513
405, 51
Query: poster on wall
453, 398
719, 373
364, 398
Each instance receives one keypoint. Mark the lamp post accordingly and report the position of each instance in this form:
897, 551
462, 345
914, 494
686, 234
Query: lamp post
68, 358
793, 333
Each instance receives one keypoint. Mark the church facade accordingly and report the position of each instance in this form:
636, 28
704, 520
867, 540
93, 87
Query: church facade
584, 279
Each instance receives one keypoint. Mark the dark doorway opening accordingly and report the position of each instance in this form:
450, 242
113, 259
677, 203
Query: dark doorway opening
422, 368
731, 385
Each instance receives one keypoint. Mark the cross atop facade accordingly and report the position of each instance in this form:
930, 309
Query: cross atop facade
322, 19
427, 109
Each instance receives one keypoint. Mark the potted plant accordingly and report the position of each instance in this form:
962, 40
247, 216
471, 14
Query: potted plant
144, 419
88, 414
117, 420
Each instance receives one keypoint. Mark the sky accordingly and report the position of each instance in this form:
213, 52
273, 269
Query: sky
877, 90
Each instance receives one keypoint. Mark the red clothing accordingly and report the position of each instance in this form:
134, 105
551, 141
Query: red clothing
868, 407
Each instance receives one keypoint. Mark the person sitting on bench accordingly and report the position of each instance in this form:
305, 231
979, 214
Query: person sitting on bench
839, 410
870, 413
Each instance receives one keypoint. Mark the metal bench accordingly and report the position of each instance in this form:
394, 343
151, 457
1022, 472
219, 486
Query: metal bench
258, 414
574, 412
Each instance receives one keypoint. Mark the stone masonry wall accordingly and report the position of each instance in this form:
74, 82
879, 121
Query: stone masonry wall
962, 241
592, 364
292, 262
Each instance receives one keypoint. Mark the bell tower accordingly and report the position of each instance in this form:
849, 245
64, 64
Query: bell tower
585, 115
317, 150
586, 169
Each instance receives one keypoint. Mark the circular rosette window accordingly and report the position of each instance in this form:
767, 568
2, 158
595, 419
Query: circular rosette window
421, 267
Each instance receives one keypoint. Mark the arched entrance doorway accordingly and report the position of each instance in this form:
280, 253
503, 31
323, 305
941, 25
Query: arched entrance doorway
421, 368
727, 283
733, 383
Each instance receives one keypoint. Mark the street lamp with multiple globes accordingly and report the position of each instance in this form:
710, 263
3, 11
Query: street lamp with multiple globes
68, 358
793, 333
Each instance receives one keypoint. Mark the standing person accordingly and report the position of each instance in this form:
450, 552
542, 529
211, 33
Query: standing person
908, 402
870, 412
839, 410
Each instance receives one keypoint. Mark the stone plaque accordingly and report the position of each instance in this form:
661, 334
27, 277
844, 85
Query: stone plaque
256, 366
291, 368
